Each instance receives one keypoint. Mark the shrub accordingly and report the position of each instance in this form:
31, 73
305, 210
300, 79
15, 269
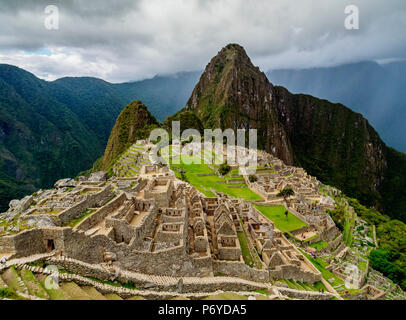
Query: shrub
224, 169
5, 293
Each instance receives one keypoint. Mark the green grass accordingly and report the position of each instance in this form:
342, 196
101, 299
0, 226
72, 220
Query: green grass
263, 291
311, 238
277, 215
320, 245
74, 291
54, 294
321, 266
33, 285
205, 184
246, 254
13, 284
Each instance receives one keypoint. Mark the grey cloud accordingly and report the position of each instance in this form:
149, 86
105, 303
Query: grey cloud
128, 40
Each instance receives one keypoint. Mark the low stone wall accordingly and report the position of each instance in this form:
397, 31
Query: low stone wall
295, 273
6, 244
102, 213
329, 234
81, 268
91, 201
305, 295
165, 283
241, 270
332, 245
140, 185
339, 249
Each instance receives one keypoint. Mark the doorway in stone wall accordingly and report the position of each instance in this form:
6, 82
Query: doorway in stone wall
50, 245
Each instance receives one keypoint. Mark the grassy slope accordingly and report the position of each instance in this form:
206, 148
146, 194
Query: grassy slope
277, 215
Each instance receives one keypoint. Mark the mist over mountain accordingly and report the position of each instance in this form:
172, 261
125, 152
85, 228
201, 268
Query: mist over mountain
378, 91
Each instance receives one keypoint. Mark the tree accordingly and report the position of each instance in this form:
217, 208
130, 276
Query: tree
252, 178
224, 169
286, 193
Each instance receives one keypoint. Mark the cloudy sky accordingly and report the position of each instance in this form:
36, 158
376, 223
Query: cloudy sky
135, 39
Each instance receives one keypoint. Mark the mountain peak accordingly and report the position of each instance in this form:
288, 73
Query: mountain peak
233, 93
230, 75
234, 48
134, 123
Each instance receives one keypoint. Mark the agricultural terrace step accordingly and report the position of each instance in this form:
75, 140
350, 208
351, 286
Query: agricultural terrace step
125, 292
167, 280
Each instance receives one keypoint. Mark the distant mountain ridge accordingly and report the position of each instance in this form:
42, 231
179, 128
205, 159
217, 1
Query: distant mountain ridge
378, 91
52, 130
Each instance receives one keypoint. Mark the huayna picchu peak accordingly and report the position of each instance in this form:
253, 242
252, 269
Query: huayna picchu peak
329, 140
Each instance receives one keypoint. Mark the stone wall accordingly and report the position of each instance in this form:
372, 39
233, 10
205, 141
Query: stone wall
174, 261
295, 273
90, 202
102, 213
305, 295
6, 244
329, 234
28, 243
241, 270
143, 281
332, 245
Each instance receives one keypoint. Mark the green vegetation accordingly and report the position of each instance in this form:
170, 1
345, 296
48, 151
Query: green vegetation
321, 265
73, 223
277, 215
224, 169
249, 254
390, 258
245, 251
263, 291
205, 179
344, 220
286, 193
319, 245
226, 296
5, 293
33, 285
134, 123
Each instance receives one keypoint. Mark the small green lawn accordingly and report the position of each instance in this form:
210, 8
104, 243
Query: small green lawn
277, 215
206, 183
320, 245
246, 254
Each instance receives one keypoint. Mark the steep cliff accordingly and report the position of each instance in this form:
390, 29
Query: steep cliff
233, 93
